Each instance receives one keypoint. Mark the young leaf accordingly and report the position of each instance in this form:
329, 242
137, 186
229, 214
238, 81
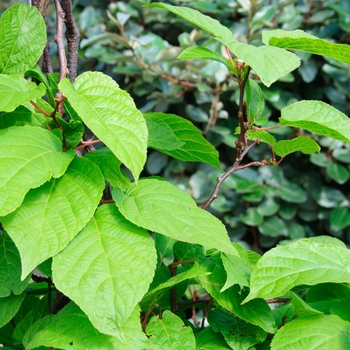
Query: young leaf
256, 312
194, 147
270, 63
312, 333
302, 262
51, 215
300, 41
161, 207
254, 98
22, 38
112, 116
72, 325
299, 144
169, 332
15, 91
239, 335
203, 53
153, 294
109, 165
262, 135
10, 268
29, 156
101, 266
9, 307
318, 117
206, 23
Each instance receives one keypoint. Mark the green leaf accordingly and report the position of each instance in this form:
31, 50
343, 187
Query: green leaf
101, 266
29, 156
292, 193
194, 147
239, 335
338, 173
301, 262
9, 307
301, 307
270, 63
161, 207
154, 293
73, 131
111, 115
51, 215
10, 268
252, 217
15, 91
254, 98
318, 117
203, 53
262, 135
273, 226
256, 312
313, 333
299, 144
340, 218
207, 23
72, 325
207, 339
320, 159
22, 38
237, 268
169, 332
160, 134
300, 41
109, 165
328, 197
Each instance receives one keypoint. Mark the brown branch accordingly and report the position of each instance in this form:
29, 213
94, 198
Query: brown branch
73, 37
59, 39
230, 171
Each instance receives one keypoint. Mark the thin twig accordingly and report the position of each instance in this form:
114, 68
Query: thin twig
230, 171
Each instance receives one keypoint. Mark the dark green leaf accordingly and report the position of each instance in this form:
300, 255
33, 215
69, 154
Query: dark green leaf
340, 218
338, 173
328, 197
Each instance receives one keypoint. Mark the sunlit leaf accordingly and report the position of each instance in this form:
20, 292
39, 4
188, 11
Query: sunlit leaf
299, 144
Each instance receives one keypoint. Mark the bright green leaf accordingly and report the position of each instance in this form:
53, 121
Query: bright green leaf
15, 91
301, 307
340, 218
161, 207
313, 333
9, 307
300, 41
302, 262
270, 63
299, 144
10, 268
51, 215
29, 156
262, 135
256, 311
237, 268
239, 335
72, 325
203, 53
169, 332
22, 38
101, 266
318, 117
109, 165
112, 116
254, 98
194, 148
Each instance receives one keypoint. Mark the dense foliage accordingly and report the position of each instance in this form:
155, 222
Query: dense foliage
128, 258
